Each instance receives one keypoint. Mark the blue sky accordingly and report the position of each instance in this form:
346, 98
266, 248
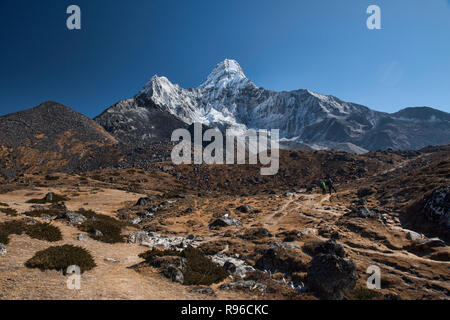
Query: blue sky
323, 46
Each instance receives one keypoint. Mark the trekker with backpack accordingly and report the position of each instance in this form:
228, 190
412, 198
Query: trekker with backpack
323, 186
330, 185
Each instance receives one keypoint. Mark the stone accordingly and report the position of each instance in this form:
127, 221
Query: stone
38, 207
98, 233
249, 285
330, 275
414, 236
256, 233
3, 250
233, 265
174, 274
225, 221
230, 267
49, 197
143, 201
245, 209
136, 220
82, 237
138, 237
330, 247
309, 231
203, 290
281, 259
75, 218
437, 207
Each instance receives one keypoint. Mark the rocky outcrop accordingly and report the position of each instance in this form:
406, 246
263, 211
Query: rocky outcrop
224, 221
437, 207
279, 258
330, 273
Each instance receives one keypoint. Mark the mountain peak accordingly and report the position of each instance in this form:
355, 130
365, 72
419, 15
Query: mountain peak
157, 83
225, 72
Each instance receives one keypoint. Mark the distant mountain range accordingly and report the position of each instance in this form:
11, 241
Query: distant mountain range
137, 130
229, 100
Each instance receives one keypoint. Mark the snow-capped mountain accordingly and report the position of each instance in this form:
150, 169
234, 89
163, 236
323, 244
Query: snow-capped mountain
229, 100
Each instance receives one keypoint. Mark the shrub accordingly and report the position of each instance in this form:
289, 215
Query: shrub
4, 239
110, 228
40, 231
44, 231
9, 212
56, 198
44, 212
61, 257
361, 293
365, 192
11, 227
51, 178
199, 270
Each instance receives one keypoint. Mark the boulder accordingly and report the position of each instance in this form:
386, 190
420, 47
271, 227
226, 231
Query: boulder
136, 220
233, 265
281, 259
256, 233
225, 221
138, 237
75, 218
329, 247
309, 231
364, 212
329, 275
174, 274
143, 201
49, 197
437, 207
82, 237
245, 209
98, 233
414, 236
230, 267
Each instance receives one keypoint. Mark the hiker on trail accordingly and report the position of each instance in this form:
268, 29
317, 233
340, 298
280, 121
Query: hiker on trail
330, 185
323, 186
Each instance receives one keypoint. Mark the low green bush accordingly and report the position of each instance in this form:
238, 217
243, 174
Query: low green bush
110, 227
61, 257
44, 212
199, 270
56, 198
9, 212
44, 231
40, 231
51, 178
11, 227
